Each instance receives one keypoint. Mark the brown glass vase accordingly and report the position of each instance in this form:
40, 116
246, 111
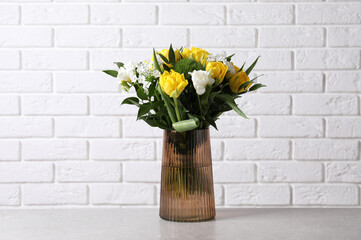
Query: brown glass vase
187, 193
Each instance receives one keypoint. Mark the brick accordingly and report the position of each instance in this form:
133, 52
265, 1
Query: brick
9, 195
87, 37
318, 149
218, 195
9, 14
290, 172
54, 150
266, 14
123, 149
257, 195
217, 147
266, 61
55, 14
344, 127
142, 171
51, 194
292, 37
343, 172
327, 59
122, 194
55, 60
9, 150
9, 105
124, 14
290, 127
111, 105
344, 36
189, 15
9, 59
325, 195
26, 172
233, 172
85, 82
292, 82
342, 81
26, 127
347, 13
133, 128
54, 105
225, 37
103, 59
20, 82
264, 104
87, 127
26, 37
88, 172
325, 104
229, 127
257, 149
154, 37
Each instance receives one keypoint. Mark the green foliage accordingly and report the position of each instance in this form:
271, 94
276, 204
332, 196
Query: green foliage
187, 65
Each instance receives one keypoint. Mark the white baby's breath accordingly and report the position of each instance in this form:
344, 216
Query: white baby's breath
200, 80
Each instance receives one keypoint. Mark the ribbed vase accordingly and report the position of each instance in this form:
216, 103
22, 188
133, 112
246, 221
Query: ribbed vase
187, 193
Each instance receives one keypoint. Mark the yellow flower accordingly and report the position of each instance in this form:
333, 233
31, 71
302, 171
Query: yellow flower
198, 54
172, 83
237, 80
217, 69
177, 54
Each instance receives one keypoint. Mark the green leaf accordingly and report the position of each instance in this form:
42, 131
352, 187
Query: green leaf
155, 61
230, 101
186, 125
112, 73
163, 58
171, 55
248, 71
143, 109
119, 64
244, 85
167, 103
141, 94
242, 67
211, 122
256, 86
229, 57
131, 101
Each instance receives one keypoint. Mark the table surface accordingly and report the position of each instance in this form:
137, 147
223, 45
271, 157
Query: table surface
133, 223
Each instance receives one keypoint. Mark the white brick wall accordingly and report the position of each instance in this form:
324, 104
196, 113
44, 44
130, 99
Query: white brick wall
65, 139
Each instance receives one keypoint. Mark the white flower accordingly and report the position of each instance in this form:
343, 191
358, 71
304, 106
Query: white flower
131, 67
230, 67
156, 73
200, 80
123, 75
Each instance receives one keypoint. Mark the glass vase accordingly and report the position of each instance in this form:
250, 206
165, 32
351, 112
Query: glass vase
187, 193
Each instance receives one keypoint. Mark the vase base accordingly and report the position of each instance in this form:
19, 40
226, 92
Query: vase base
188, 219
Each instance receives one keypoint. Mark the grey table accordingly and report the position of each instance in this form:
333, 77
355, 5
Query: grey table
127, 224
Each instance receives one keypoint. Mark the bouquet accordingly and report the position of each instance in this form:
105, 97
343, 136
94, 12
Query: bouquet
186, 88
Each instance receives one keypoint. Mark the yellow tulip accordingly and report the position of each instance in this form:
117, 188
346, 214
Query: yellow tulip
237, 80
172, 83
217, 69
198, 54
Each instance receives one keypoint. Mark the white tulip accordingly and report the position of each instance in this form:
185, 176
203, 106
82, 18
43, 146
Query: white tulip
200, 80
123, 75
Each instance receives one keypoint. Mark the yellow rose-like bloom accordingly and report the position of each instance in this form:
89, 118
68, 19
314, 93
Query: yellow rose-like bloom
237, 80
217, 69
177, 55
198, 54
172, 83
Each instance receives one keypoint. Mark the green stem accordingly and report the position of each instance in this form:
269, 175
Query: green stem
177, 109
167, 104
